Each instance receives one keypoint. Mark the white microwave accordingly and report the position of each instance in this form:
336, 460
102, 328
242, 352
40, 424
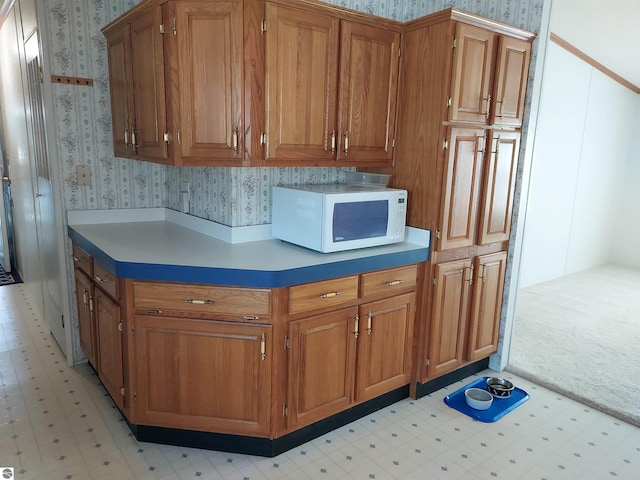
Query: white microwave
331, 218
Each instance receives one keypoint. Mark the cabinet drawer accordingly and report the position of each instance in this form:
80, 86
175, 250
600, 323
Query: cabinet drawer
82, 260
387, 281
107, 281
311, 296
245, 303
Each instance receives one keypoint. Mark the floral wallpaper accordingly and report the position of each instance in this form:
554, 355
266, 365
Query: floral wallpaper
73, 45
231, 196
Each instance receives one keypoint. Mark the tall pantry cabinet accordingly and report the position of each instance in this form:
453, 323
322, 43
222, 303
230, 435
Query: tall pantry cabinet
463, 87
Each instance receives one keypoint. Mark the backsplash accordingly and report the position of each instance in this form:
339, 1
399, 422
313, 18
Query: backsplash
231, 196
238, 196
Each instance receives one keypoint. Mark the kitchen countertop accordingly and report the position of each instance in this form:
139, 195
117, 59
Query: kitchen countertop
162, 244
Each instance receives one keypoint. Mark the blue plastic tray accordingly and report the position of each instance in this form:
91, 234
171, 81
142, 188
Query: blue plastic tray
498, 409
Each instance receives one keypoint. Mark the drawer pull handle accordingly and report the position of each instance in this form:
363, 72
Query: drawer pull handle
76, 259
330, 294
99, 279
369, 318
394, 283
198, 302
251, 317
356, 326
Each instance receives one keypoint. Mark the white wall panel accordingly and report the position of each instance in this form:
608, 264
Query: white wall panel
584, 173
607, 134
556, 161
627, 230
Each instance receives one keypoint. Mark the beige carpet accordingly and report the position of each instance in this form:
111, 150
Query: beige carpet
580, 335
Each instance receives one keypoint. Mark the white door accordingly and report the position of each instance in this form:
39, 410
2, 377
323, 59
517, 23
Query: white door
44, 206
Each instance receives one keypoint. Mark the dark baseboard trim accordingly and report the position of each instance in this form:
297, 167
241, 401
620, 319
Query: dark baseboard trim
423, 389
265, 447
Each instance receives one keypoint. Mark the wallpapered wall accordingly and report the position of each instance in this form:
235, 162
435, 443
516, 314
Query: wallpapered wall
232, 196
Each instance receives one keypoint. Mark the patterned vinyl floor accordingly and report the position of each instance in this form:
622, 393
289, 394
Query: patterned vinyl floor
57, 423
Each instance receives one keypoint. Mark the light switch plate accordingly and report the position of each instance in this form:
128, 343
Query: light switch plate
83, 175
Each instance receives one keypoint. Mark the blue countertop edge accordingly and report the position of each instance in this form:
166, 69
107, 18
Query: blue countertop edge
249, 278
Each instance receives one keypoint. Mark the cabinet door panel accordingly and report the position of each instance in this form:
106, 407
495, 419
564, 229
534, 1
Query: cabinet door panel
384, 346
86, 318
109, 334
210, 79
301, 84
472, 74
487, 305
120, 82
463, 175
321, 365
147, 58
368, 91
449, 316
203, 375
499, 185
512, 74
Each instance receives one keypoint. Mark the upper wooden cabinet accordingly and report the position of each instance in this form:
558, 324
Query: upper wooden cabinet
496, 205
205, 57
331, 89
176, 77
510, 85
136, 75
489, 77
251, 83
473, 53
301, 64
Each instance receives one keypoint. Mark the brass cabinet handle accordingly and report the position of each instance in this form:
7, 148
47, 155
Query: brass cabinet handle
470, 276
99, 279
134, 143
484, 273
193, 301
251, 317
356, 326
333, 142
500, 102
91, 304
346, 142
76, 259
85, 298
393, 283
126, 137
234, 140
263, 345
488, 100
330, 294
369, 318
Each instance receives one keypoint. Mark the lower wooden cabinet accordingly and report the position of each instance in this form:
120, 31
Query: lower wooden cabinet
484, 324
348, 356
109, 329
465, 311
86, 318
247, 361
203, 375
449, 312
321, 366
384, 346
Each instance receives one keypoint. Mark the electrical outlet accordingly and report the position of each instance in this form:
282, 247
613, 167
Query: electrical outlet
83, 175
